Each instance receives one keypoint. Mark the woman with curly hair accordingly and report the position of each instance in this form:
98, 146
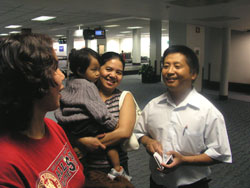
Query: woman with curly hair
35, 151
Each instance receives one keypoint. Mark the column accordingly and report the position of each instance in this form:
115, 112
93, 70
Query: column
155, 45
70, 46
177, 33
226, 44
101, 46
136, 49
87, 43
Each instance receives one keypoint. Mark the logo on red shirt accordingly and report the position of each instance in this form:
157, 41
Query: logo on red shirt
60, 171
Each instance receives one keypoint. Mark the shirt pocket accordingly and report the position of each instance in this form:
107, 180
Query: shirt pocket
192, 141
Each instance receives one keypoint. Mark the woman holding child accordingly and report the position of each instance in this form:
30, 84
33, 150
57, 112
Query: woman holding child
104, 126
111, 74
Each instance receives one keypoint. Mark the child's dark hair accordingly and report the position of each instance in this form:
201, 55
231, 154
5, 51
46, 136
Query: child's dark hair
191, 57
80, 59
111, 55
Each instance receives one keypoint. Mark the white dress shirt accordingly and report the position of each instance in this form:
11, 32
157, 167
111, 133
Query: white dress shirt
193, 127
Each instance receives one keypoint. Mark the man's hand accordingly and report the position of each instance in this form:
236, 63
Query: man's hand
151, 145
170, 167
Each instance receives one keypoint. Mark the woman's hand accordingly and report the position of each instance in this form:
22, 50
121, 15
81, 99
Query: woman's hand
91, 143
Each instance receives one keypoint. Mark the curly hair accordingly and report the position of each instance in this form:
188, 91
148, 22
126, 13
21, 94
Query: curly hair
27, 65
81, 59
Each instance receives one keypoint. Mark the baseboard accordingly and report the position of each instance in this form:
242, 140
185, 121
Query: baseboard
237, 87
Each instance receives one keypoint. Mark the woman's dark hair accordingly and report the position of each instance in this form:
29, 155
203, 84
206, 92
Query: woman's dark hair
112, 55
80, 59
191, 57
27, 67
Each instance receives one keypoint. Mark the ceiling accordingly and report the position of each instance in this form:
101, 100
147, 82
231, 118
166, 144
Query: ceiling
74, 14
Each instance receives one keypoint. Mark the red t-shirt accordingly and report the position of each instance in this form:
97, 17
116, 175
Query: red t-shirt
46, 162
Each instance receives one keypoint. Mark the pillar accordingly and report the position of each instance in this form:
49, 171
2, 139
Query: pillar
177, 33
226, 43
70, 46
155, 45
136, 49
101, 46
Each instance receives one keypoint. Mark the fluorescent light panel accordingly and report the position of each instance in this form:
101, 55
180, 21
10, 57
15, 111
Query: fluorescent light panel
4, 34
43, 18
13, 26
134, 27
124, 32
111, 25
14, 32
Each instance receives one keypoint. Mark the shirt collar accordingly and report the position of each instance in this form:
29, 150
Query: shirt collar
190, 99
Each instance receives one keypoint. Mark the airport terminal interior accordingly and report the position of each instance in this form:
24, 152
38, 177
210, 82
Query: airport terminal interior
140, 30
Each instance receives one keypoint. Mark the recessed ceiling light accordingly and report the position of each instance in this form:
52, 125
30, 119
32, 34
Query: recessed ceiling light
14, 32
111, 25
125, 32
120, 35
163, 29
43, 18
134, 27
4, 34
13, 26
59, 35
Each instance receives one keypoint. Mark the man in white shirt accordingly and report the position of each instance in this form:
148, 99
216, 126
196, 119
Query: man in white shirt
184, 124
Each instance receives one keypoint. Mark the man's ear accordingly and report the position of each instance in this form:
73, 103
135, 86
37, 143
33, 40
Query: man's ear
194, 76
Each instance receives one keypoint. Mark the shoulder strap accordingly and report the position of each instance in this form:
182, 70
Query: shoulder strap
123, 94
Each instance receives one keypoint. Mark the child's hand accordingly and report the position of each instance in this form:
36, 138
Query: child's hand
91, 143
78, 153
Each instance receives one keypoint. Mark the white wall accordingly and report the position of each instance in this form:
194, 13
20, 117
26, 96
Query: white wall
145, 45
113, 45
195, 38
164, 43
116, 45
213, 53
240, 58
78, 44
239, 63
126, 45
177, 33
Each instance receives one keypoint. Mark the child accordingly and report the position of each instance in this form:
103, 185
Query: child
82, 113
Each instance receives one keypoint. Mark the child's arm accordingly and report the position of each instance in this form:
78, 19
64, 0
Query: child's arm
97, 108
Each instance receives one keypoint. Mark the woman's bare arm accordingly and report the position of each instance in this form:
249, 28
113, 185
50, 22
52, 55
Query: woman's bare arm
127, 118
